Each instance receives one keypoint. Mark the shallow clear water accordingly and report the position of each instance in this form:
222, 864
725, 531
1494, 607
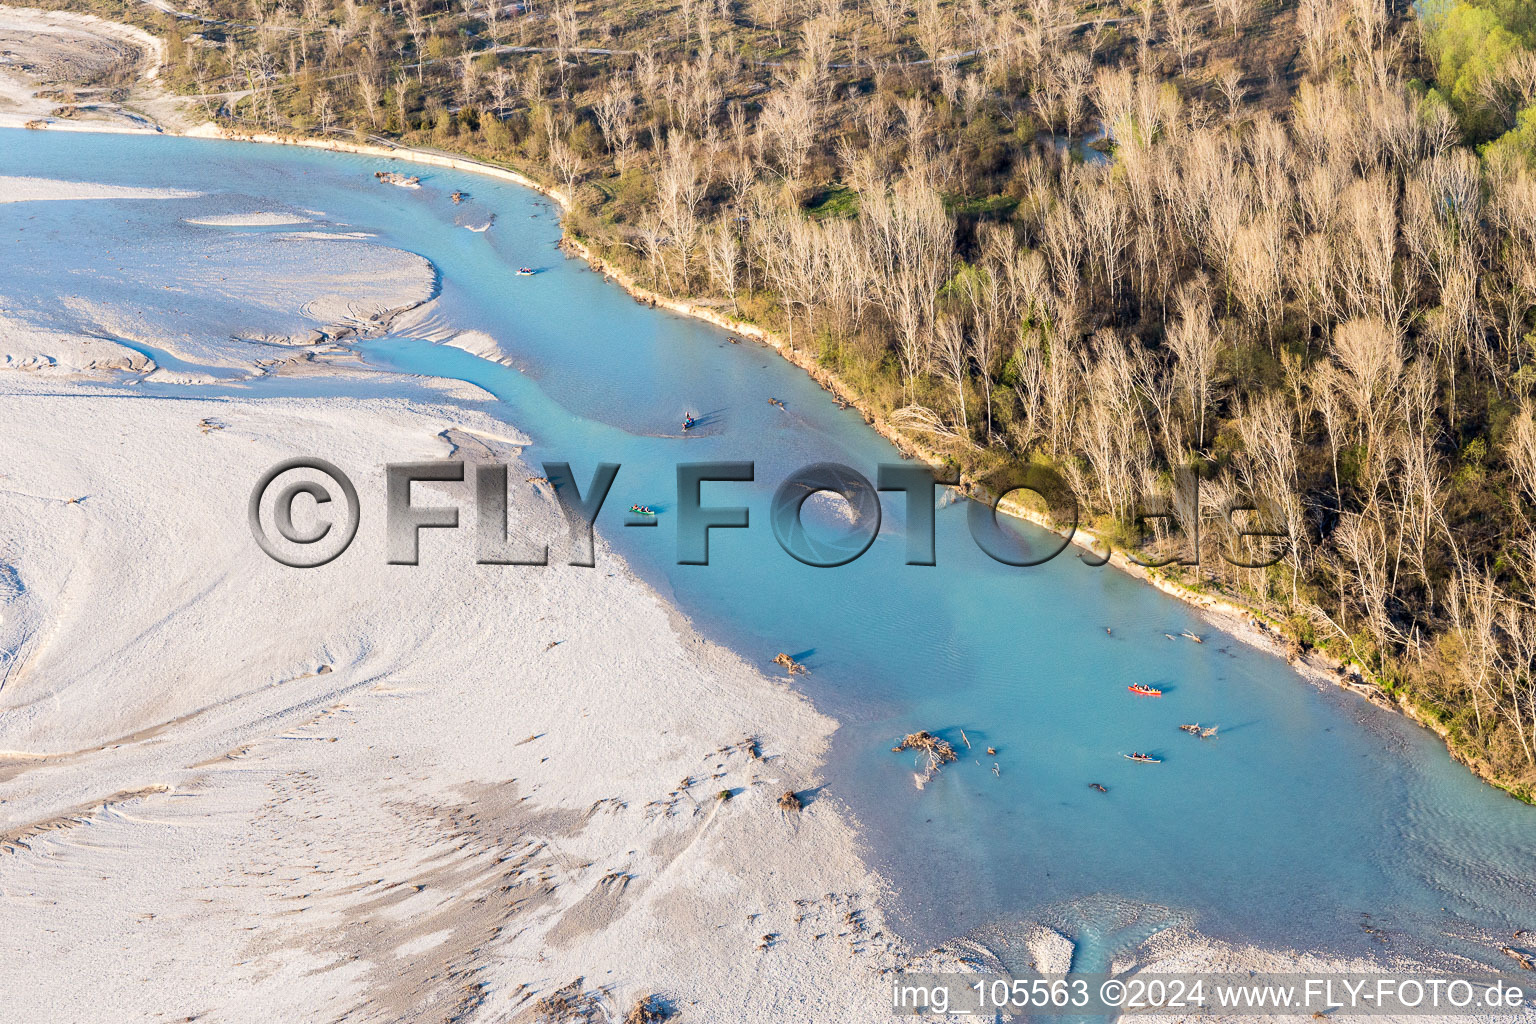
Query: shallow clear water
1311, 811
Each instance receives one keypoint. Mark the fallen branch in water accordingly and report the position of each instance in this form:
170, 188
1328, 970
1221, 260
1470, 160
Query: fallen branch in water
939, 754
925, 740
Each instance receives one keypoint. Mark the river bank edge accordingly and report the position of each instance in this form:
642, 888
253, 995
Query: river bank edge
1246, 622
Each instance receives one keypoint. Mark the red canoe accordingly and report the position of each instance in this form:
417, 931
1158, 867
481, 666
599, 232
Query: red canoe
1145, 691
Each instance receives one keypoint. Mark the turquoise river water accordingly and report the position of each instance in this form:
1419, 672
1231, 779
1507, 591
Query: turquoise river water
1312, 816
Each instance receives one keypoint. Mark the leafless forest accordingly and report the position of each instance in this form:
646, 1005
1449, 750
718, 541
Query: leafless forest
1288, 246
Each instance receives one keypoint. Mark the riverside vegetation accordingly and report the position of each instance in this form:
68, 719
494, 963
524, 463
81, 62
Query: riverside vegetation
1305, 275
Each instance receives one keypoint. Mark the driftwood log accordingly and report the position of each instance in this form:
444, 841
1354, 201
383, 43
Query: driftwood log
791, 666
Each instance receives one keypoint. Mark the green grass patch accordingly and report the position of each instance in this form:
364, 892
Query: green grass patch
980, 206
832, 201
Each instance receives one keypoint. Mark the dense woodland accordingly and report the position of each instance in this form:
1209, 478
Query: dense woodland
1289, 246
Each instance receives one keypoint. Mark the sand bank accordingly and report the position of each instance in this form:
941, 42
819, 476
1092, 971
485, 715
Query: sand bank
371, 790
242, 300
259, 219
18, 189
236, 791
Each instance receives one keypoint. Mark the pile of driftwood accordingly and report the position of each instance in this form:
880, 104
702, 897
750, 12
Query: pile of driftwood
648, 1009
403, 180
791, 666
939, 754
569, 1005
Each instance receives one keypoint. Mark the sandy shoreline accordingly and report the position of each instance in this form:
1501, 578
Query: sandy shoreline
438, 792
361, 815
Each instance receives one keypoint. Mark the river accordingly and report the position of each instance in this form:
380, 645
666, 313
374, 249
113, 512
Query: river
1313, 821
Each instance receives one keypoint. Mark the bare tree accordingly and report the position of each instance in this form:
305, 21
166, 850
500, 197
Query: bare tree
563, 158
1179, 23
680, 189
567, 31
891, 15
1230, 81
1196, 346
416, 24
1474, 602
1516, 667
724, 252
954, 351
368, 91
789, 121
1370, 355
1235, 13
1272, 467
910, 244
615, 115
